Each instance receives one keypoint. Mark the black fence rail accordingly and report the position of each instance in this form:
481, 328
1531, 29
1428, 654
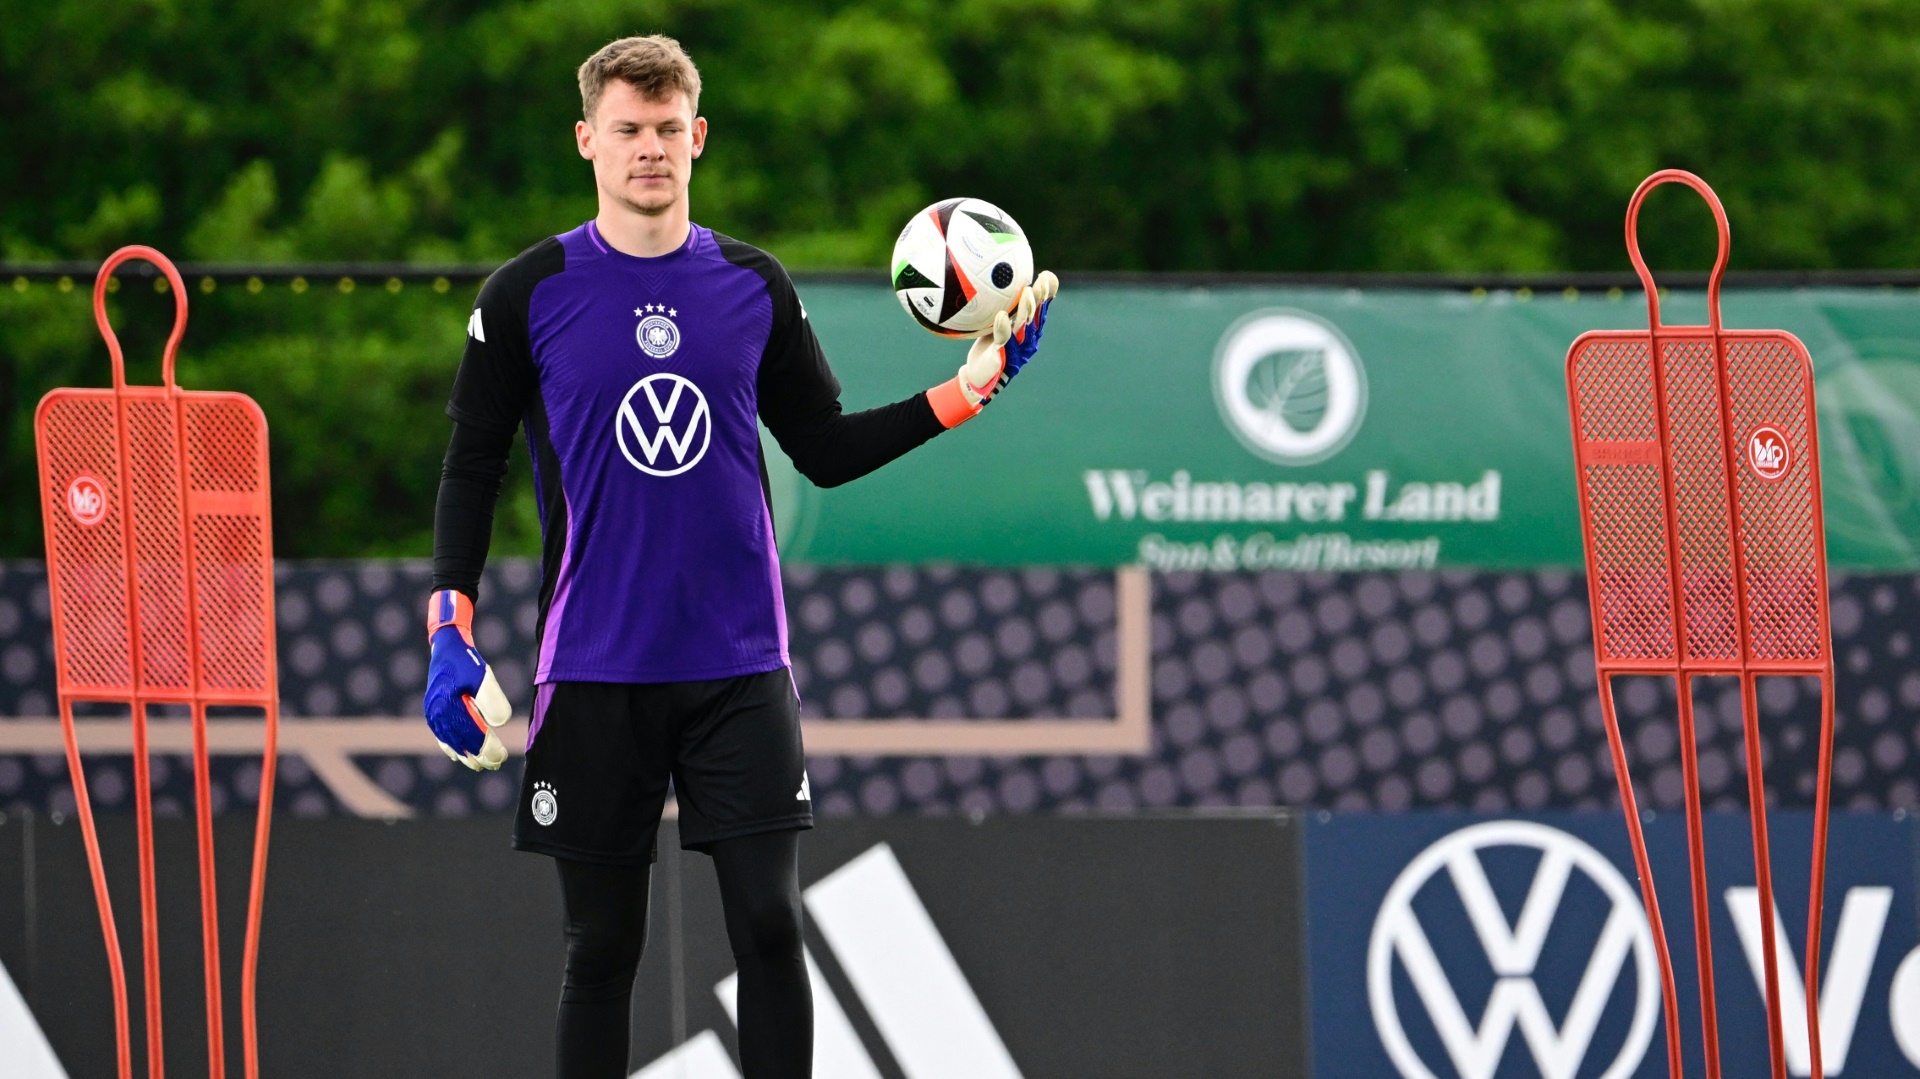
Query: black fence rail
396, 276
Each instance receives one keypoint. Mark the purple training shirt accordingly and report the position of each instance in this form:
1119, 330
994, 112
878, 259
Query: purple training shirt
639, 381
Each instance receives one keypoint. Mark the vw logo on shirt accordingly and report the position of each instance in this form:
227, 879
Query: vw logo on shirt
664, 425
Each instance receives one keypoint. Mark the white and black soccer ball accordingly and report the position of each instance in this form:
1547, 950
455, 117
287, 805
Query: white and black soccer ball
957, 263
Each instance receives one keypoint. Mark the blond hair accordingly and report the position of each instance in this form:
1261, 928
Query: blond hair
655, 65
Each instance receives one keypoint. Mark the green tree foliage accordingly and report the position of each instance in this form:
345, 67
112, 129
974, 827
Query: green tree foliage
1128, 134
1257, 135
353, 385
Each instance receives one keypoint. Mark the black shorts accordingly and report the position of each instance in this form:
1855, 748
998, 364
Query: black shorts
602, 753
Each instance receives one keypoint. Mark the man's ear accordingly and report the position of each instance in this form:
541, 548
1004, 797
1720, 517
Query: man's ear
699, 135
583, 138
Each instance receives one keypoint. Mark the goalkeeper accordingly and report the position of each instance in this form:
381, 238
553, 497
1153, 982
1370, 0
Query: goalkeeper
637, 351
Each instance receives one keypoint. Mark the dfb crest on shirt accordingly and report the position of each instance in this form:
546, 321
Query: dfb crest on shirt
664, 425
657, 334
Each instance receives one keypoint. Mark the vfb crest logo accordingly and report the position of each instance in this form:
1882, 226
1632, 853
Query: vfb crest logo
1579, 938
664, 425
1290, 386
87, 499
659, 337
1768, 454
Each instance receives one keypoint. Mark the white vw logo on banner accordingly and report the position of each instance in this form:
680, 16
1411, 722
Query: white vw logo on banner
1512, 950
682, 425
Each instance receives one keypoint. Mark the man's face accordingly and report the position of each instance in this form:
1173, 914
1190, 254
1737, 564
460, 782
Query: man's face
642, 150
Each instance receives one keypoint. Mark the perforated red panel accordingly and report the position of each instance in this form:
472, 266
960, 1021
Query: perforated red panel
227, 455
86, 556
1631, 558
1769, 390
225, 517
1624, 506
228, 443
1769, 385
232, 585
1705, 531
1613, 383
154, 457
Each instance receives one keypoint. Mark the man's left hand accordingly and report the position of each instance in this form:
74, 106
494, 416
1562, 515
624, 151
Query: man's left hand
996, 356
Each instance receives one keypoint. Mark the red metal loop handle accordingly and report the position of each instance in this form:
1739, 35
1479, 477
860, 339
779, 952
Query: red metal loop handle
128, 254
1677, 176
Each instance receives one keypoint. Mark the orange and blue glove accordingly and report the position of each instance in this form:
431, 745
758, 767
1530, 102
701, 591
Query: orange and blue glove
464, 701
996, 356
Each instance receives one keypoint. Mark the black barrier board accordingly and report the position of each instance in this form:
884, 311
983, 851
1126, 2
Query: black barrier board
387, 949
1027, 946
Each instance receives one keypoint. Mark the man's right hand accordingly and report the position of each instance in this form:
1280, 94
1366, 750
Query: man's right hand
464, 701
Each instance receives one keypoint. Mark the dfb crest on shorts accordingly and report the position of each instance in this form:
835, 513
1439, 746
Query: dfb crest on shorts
657, 334
545, 806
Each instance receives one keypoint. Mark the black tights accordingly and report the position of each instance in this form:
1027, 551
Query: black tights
606, 908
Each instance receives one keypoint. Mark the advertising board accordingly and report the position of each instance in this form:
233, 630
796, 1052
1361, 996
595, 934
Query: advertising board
1261, 428
1458, 945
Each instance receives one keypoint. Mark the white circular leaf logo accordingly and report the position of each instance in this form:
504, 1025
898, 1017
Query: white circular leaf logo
1512, 946
664, 425
658, 336
1290, 386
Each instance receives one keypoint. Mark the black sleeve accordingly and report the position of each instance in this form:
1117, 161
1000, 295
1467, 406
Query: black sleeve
800, 402
491, 392
496, 376
470, 478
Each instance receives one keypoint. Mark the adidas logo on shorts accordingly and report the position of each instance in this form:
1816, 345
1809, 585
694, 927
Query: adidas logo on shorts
806, 791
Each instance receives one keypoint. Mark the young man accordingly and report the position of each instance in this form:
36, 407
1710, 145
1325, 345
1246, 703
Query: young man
637, 350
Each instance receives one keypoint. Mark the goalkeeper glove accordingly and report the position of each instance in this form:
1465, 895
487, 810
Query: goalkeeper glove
464, 700
996, 356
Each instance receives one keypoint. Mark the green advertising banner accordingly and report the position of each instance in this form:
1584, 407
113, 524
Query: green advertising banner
1314, 429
